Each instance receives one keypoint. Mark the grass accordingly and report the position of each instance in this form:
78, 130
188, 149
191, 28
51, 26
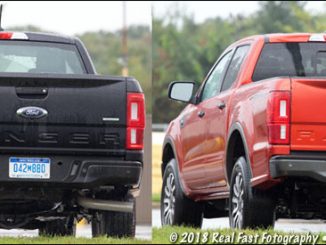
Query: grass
162, 236
156, 198
69, 240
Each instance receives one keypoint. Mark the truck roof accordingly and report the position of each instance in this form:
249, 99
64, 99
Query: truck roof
282, 37
37, 36
287, 37
295, 37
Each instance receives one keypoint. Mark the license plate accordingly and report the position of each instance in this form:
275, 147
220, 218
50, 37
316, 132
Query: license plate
29, 168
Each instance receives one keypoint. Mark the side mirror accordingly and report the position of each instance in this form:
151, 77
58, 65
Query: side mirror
181, 91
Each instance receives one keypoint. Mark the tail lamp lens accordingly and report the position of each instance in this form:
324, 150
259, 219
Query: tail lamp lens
278, 117
5, 35
135, 121
13, 35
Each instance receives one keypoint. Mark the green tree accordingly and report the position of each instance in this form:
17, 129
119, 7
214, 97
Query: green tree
283, 16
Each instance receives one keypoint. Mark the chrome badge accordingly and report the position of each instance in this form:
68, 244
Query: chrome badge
32, 112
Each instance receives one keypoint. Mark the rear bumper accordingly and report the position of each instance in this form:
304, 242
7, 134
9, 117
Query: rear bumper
313, 166
127, 173
80, 172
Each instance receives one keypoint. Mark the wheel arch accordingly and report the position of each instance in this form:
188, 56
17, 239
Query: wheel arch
236, 146
169, 152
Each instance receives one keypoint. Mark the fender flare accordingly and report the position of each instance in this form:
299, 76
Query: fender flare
237, 127
169, 140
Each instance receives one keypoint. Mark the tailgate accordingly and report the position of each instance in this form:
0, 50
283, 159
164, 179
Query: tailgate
308, 114
84, 113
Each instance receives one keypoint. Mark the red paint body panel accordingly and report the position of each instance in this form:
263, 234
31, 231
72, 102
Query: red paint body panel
200, 146
308, 130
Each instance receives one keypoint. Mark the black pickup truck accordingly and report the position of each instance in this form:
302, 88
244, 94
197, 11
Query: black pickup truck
71, 141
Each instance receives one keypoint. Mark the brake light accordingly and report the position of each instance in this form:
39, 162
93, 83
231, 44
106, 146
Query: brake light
135, 121
13, 36
5, 35
278, 117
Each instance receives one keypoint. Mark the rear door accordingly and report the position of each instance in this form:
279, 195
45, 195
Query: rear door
217, 120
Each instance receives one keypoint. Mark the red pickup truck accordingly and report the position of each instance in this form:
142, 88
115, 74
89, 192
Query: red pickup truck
251, 141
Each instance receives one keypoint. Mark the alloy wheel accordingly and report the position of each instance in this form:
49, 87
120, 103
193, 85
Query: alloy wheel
237, 202
169, 200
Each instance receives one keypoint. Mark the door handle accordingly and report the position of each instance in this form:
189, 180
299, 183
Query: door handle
182, 123
221, 105
31, 92
201, 114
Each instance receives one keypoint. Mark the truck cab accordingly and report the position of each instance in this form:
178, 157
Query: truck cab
250, 139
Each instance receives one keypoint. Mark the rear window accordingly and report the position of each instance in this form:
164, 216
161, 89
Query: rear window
291, 59
40, 57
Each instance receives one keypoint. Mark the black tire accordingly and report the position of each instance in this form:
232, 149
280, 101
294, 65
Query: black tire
115, 224
248, 208
59, 227
176, 208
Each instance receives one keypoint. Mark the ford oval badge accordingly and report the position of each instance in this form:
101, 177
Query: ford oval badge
32, 112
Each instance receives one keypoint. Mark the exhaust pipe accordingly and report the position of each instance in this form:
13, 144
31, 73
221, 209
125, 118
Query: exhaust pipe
127, 207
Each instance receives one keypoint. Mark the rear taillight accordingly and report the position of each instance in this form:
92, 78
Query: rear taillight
13, 35
278, 117
135, 121
5, 35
